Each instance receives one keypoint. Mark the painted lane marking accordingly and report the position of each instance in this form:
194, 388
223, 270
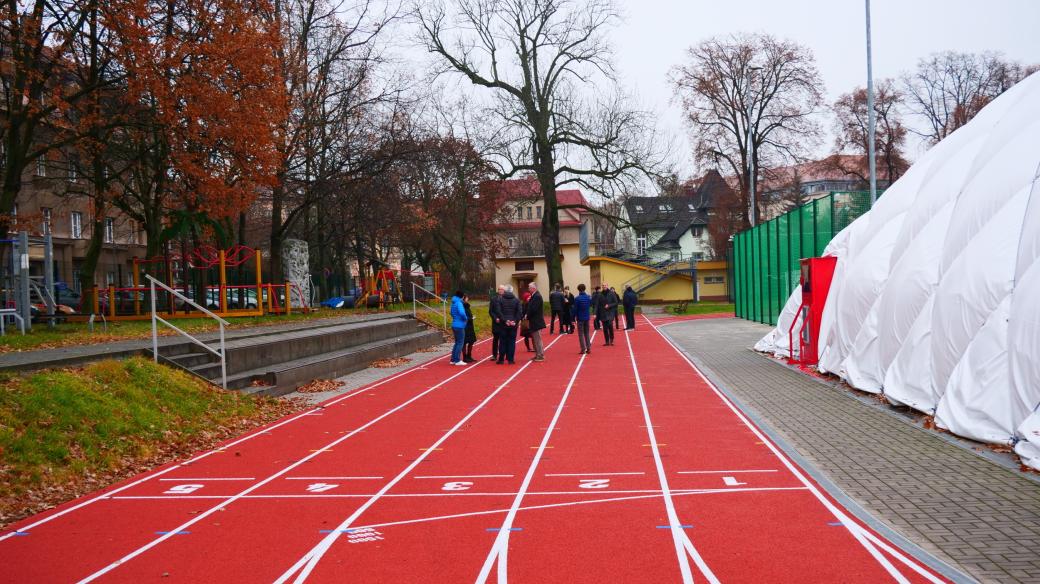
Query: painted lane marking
732, 482
488, 476
210, 479
674, 527
261, 432
721, 471
684, 548
500, 529
451, 494
594, 474
172, 532
500, 549
331, 478
182, 489
305, 565
274, 476
863, 536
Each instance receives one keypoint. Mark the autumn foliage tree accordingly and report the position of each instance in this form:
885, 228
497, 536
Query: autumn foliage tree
852, 132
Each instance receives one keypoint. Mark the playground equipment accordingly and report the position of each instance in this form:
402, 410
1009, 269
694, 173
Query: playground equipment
23, 295
387, 287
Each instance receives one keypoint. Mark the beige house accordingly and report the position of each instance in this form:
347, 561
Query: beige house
520, 257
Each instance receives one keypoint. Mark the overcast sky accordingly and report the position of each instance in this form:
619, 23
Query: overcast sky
656, 33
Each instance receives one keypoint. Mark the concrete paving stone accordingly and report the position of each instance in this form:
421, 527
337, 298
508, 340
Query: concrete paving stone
973, 513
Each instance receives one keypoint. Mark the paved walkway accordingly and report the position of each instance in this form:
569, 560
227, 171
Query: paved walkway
967, 510
78, 354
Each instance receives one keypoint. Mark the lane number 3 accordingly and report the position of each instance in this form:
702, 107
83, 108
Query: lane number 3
457, 486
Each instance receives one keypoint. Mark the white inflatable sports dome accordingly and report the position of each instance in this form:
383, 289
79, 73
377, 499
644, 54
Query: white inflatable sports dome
936, 296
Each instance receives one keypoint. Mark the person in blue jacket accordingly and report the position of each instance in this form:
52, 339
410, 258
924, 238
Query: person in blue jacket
458, 327
582, 304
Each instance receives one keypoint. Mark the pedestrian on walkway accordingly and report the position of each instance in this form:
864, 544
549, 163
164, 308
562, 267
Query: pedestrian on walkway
555, 308
629, 301
608, 303
525, 296
458, 327
494, 311
582, 304
471, 332
568, 310
617, 316
595, 307
536, 320
511, 312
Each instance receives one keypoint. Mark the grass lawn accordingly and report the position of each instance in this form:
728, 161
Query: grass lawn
69, 431
704, 308
78, 333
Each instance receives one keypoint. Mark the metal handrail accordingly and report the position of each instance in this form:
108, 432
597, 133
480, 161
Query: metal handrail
416, 302
222, 354
6, 312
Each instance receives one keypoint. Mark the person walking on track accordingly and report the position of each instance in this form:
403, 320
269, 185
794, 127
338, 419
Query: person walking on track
494, 312
568, 310
617, 316
536, 320
596, 295
608, 303
471, 332
524, 331
629, 301
556, 307
511, 312
582, 304
458, 327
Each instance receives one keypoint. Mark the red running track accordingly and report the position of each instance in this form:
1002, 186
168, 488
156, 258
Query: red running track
622, 465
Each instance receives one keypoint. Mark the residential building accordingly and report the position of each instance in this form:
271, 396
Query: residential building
782, 189
520, 254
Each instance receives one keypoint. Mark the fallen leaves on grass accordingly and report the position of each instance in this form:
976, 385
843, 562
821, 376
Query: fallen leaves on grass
320, 385
259, 383
388, 363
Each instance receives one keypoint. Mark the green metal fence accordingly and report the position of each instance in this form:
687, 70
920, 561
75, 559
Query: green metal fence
765, 258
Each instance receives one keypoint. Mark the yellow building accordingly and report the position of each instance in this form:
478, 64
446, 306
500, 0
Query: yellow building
520, 258
659, 286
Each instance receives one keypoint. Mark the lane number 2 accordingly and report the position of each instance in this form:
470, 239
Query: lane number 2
593, 483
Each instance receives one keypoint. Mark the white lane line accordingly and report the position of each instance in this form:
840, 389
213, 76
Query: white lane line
305, 565
265, 430
211, 479
721, 471
594, 474
855, 529
487, 476
651, 494
276, 475
331, 478
500, 549
683, 549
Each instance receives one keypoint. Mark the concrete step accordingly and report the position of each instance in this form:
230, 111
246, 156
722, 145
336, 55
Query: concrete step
189, 360
258, 352
283, 377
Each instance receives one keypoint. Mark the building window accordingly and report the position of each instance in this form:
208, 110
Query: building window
639, 208
520, 213
46, 212
699, 256
133, 232
72, 169
675, 256
691, 206
641, 244
110, 230
527, 266
665, 207
110, 279
529, 212
77, 224
41, 167
538, 212
511, 242
714, 279
698, 231
75, 279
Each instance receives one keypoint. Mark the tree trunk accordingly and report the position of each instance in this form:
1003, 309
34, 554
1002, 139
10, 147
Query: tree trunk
550, 234
90, 260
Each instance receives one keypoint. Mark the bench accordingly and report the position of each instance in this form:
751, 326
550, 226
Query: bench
681, 307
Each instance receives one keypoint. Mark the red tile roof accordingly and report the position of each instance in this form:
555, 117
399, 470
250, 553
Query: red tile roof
527, 188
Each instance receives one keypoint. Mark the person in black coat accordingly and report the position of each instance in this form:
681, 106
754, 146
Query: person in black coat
510, 313
568, 306
471, 333
595, 307
536, 320
497, 325
556, 307
629, 301
607, 312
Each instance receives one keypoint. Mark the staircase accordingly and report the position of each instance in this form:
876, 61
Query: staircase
654, 274
277, 362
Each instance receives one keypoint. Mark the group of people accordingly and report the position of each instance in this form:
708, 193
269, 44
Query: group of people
526, 314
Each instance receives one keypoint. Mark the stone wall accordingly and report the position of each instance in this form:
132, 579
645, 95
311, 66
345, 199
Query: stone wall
296, 267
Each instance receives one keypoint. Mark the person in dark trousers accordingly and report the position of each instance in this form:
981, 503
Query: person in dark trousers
568, 311
524, 331
595, 307
536, 321
629, 301
608, 303
510, 311
458, 327
496, 319
582, 304
471, 333
556, 308
617, 317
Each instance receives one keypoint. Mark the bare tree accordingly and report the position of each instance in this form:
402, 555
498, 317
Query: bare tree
732, 83
851, 129
556, 104
948, 89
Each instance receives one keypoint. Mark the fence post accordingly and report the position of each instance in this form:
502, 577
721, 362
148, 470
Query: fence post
155, 332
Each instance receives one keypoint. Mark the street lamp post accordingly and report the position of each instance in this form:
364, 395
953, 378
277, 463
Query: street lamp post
750, 147
871, 117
